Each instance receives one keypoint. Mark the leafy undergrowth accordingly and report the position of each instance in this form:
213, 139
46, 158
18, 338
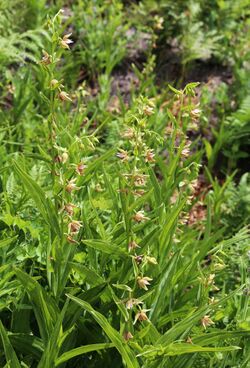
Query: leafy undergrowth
118, 246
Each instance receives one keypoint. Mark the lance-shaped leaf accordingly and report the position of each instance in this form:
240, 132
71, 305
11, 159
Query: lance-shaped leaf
82, 350
44, 204
10, 355
127, 354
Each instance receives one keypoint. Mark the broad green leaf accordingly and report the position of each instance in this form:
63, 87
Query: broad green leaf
112, 193
167, 227
171, 169
10, 354
183, 348
28, 344
120, 305
82, 350
53, 345
92, 295
6, 242
119, 343
156, 186
87, 274
218, 336
105, 247
161, 294
43, 203
44, 307
91, 169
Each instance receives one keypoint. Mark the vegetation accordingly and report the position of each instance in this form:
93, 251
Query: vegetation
124, 185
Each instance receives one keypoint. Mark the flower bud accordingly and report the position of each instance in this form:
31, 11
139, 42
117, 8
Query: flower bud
127, 335
54, 83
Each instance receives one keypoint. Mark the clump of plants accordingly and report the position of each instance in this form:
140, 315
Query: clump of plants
111, 252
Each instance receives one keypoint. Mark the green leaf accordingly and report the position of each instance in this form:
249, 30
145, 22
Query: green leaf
209, 149
54, 342
218, 336
10, 355
6, 242
176, 91
122, 287
43, 203
82, 350
44, 308
106, 247
120, 305
91, 169
156, 186
184, 348
87, 274
28, 344
126, 353
167, 227
92, 295
163, 289
112, 193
